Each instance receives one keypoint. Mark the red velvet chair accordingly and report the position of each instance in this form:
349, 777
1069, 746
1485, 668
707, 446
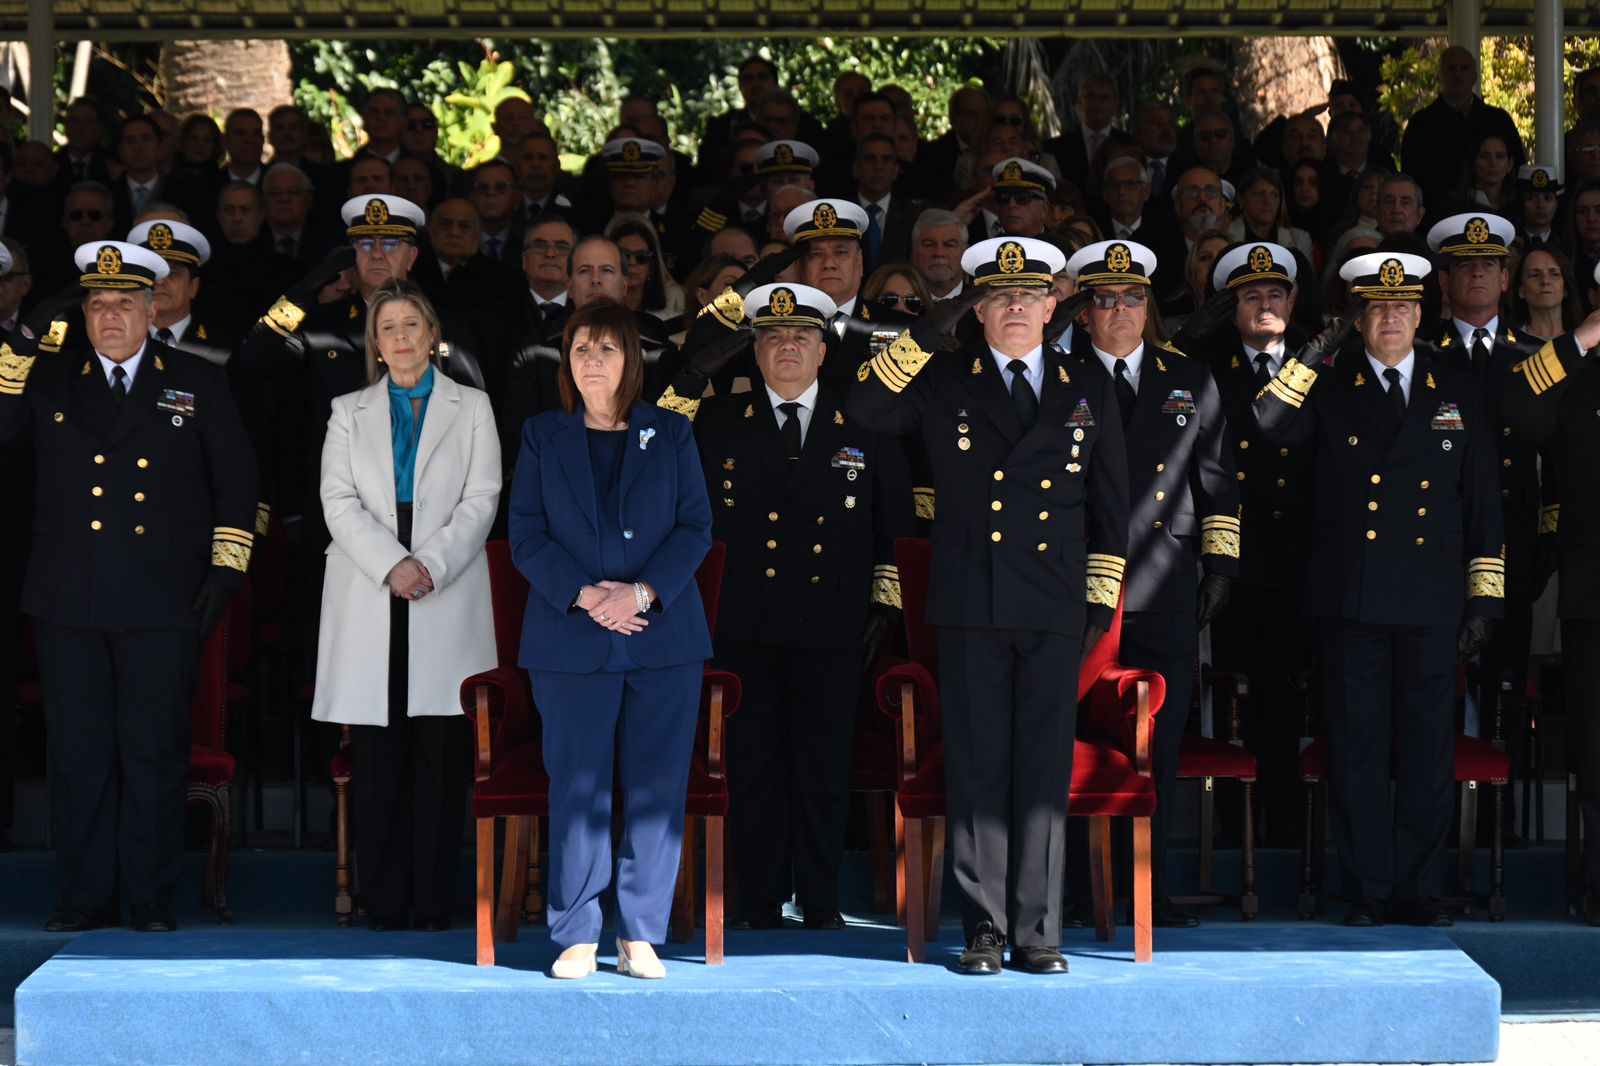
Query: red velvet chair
211, 765
1205, 759
510, 780
1110, 771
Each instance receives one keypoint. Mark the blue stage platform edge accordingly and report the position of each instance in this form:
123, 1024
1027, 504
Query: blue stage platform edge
1278, 993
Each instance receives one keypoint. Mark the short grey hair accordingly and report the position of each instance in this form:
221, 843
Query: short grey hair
1126, 161
288, 168
936, 216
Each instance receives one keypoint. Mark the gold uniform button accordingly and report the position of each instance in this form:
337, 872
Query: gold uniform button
996, 505
772, 544
1244, 444
1419, 542
1422, 512
139, 530
332, 354
142, 463
97, 491
1372, 505
1045, 483
1044, 515
1281, 482
1377, 479
138, 497
1372, 534
819, 520
1277, 514
59, 417
1505, 462
999, 475
1424, 484
727, 484
1283, 451
995, 536
1161, 495
771, 572
1160, 467
1042, 547
1354, 441
1155, 525
99, 459
772, 516
816, 549
1506, 432
1240, 475
95, 525
815, 579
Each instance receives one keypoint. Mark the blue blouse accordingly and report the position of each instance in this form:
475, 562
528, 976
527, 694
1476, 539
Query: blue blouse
405, 430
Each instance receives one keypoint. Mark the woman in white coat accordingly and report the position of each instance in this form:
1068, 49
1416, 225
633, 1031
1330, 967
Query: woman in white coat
410, 481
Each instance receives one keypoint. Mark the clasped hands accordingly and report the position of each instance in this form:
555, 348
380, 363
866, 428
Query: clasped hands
613, 606
409, 579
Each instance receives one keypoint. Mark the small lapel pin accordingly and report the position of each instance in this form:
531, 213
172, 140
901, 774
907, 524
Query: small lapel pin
1061, 373
1431, 385
977, 366
838, 418
749, 410
1361, 379
644, 437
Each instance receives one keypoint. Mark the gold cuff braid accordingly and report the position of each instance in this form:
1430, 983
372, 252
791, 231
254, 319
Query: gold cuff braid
284, 317
1219, 535
14, 371
230, 548
886, 586
1492, 586
1550, 519
923, 498
54, 337
1104, 591
728, 308
263, 519
683, 405
1543, 369
897, 364
1292, 384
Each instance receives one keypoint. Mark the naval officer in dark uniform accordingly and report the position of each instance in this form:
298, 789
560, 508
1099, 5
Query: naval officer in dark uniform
181, 321
1183, 504
1552, 397
1407, 572
809, 503
141, 533
1029, 542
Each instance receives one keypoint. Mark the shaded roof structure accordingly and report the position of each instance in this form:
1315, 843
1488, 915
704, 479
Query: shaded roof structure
122, 20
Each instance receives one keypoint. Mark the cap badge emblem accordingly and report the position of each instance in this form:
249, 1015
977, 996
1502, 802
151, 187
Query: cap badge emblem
109, 261
1011, 258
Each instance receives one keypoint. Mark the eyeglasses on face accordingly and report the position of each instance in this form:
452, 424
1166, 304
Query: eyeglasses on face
386, 245
85, 214
1008, 120
544, 247
641, 257
1021, 296
422, 125
1009, 196
1106, 301
912, 304
1195, 192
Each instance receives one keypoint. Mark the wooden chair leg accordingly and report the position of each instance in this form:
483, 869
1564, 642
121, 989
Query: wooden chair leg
680, 927
1208, 832
343, 905
916, 920
485, 891
1100, 879
509, 908
1142, 902
533, 897
935, 877
899, 863
716, 831
1249, 904
878, 848
220, 828
1466, 840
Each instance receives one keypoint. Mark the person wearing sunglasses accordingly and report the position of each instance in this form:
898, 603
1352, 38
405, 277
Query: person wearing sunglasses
419, 139
898, 287
86, 213
1021, 192
1029, 539
1183, 515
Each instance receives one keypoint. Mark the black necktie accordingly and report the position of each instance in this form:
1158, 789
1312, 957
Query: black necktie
1124, 388
1480, 348
1397, 395
1022, 397
119, 384
164, 335
1263, 370
286, 246
791, 428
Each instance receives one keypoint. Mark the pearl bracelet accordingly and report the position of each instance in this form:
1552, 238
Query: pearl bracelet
641, 598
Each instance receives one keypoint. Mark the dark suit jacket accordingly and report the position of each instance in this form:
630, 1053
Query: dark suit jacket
177, 189
555, 540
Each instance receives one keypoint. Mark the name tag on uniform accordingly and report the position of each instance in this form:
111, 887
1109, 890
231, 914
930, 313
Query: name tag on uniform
179, 403
1081, 415
850, 459
1447, 417
1178, 402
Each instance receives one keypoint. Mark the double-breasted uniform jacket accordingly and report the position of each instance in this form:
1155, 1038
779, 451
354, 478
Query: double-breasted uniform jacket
1518, 454
137, 504
1553, 398
307, 358
1031, 529
1274, 479
810, 541
1406, 526
1183, 495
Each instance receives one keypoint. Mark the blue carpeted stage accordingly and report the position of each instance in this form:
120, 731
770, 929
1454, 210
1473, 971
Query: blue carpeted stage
1272, 992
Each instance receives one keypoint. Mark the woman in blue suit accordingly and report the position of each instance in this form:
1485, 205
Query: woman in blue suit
609, 520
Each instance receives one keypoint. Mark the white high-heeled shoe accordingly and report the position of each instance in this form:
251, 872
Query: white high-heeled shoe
637, 958
575, 962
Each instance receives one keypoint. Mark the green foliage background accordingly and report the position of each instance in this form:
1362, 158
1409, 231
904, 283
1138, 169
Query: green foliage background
577, 85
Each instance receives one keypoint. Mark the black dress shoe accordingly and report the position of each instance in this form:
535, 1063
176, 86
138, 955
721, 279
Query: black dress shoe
822, 918
1592, 916
985, 954
152, 918
1079, 915
1423, 911
1165, 914
433, 923
761, 918
78, 919
387, 923
1364, 913
1038, 960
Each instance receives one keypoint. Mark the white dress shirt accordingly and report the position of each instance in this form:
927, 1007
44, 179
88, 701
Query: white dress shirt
178, 328
1126, 230
848, 308
130, 367
807, 401
1274, 356
1405, 366
1035, 364
1465, 329
1134, 359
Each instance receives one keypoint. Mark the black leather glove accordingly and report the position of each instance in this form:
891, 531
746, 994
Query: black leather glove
930, 330
1091, 636
1326, 343
882, 621
1545, 564
1215, 590
1210, 316
708, 361
1475, 633
211, 603
303, 293
1067, 312
767, 271
37, 321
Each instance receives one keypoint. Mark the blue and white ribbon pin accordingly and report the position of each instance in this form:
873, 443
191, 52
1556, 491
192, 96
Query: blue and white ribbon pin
644, 437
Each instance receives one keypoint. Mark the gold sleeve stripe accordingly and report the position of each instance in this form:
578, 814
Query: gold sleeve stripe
897, 364
1486, 565
1106, 565
1491, 586
1550, 519
14, 371
711, 220
889, 372
1219, 521
728, 308
1104, 591
923, 499
886, 570
685, 406
263, 519
284, 317
1543, 369
228, 534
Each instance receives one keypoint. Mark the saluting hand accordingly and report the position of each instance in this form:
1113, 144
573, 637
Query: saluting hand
410, 580
1588, 333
